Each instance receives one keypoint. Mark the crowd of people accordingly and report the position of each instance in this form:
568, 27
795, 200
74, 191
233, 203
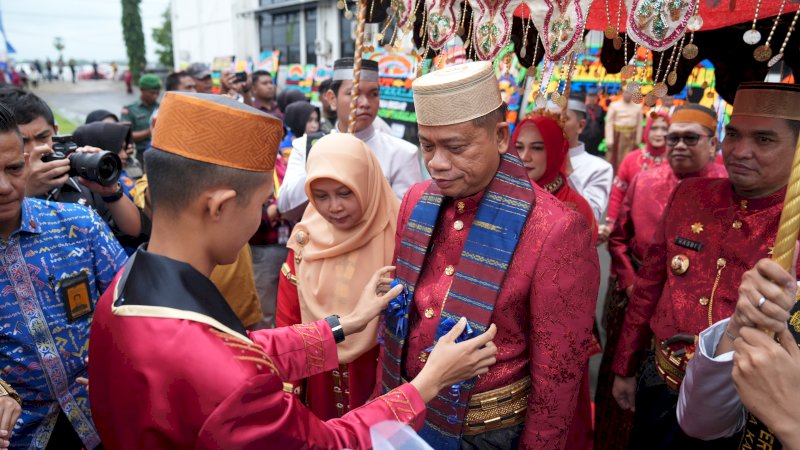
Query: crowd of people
255, 276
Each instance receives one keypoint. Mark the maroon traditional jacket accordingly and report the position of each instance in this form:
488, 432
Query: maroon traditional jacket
721, 235
640, 215
544, 311
172, 368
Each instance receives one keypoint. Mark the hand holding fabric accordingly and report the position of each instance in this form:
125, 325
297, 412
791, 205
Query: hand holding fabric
451, 361
374, 298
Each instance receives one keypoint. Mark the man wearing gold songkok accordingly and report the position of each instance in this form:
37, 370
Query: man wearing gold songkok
712, 231
172, 366
765, 116
623, 128
479, 241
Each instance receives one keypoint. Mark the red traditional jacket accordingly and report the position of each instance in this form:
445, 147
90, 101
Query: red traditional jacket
171, 372
640, 216
544, 311
634, 163
709, 236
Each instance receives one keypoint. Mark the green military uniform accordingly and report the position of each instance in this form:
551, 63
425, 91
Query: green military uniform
138, 114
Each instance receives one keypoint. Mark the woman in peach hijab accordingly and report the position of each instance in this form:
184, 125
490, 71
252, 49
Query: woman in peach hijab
347, 232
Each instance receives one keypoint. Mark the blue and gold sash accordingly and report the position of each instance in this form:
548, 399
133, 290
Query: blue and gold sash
486, 255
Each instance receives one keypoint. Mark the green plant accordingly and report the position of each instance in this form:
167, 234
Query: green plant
163, 37
134, 37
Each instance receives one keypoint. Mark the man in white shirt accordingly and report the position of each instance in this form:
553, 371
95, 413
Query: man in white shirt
590, 175
399, 159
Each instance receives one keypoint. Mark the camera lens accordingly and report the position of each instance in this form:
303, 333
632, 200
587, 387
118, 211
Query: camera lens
104, 167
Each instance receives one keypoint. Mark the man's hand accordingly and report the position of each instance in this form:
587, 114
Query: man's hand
374, 299
232, 87
9, 413
83, 380
768, 280
451, 362
624, 392
767, 375
603, 232
44, 177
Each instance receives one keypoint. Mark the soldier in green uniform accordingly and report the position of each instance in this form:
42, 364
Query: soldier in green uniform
138, 113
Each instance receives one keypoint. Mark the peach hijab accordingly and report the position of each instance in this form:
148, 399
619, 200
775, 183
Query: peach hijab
335, 265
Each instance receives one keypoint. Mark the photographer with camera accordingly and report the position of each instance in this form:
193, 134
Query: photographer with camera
74, 176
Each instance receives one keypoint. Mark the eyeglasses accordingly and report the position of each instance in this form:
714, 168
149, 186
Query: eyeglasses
691, 139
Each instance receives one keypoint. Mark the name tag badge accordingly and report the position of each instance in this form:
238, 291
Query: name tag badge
74, 292
688, 243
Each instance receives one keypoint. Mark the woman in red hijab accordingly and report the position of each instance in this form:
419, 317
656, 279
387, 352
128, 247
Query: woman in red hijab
652, 155
543, 148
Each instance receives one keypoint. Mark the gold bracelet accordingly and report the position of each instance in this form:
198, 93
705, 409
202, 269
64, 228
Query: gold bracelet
7, 390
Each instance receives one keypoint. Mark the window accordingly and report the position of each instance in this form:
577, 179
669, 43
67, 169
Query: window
348, 46
281, 31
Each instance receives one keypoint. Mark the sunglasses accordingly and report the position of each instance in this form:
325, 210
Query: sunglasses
690, 139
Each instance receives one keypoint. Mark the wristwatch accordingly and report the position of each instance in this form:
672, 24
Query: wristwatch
6, 390
336, 328
115, 196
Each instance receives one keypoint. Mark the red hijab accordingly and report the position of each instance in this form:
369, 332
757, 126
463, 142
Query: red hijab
654, 151
555, 143
557, 148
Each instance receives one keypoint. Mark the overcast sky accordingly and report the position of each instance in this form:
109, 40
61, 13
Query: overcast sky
90, 29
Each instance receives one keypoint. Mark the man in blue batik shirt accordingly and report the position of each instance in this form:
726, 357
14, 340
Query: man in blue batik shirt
56, 259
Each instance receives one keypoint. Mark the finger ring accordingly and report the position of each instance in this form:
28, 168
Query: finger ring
761, 302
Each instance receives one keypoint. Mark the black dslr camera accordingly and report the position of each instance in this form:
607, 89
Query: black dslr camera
104, 167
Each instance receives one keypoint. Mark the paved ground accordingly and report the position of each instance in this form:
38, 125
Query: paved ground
75, 101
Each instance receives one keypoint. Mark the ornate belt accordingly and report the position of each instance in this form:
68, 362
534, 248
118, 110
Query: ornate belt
670, 362
624, 128
499, 408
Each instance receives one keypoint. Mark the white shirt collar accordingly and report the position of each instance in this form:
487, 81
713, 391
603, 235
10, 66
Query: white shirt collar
577, 150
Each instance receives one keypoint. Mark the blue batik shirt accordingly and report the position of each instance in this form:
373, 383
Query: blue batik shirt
42, 351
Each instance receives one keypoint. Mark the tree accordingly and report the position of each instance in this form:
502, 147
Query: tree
163, 37
134, 36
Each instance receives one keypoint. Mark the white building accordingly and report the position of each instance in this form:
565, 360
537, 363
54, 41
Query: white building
305, 31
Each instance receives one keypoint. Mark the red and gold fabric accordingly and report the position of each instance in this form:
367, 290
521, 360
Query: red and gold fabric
548, 295
640, 215
179, 371
693, 268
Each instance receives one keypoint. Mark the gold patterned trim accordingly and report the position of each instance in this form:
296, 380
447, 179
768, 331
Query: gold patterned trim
499, 408
287, 272
397, 401
670, 368
314, 346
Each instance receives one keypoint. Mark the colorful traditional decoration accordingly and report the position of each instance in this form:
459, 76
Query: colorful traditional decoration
561, 23
658, 24
491, 26
764, 52
442, 18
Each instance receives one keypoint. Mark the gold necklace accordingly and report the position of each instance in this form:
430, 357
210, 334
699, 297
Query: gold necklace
764, 52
